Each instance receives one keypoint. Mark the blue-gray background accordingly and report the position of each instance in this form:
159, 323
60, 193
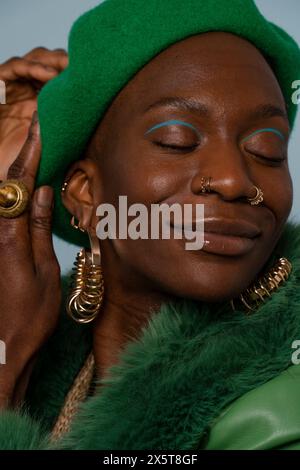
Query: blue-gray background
25, 24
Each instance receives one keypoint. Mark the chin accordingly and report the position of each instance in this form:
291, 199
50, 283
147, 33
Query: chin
209, 293
215, 281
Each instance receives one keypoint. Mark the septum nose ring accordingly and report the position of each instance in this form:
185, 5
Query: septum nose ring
205, 184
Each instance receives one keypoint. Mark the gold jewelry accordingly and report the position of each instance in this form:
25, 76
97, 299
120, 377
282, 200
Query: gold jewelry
78, 392
77, 226
81, 386
265, 285
86, 296
205, 184
64, 186
14, 197
73, 223
258, 198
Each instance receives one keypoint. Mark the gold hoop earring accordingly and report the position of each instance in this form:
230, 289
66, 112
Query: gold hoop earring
87, 289
258, 198
77, 226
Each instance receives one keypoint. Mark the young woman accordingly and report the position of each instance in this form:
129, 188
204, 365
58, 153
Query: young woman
170, 348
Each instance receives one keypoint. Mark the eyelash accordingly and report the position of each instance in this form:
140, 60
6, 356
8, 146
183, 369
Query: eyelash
271, 161
177, 147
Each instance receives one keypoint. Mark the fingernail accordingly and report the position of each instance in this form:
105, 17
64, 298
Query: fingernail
45, 197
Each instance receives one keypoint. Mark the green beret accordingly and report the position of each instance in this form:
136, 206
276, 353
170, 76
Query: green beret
107, 47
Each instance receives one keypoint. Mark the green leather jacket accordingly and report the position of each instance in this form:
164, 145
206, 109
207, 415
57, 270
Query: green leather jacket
265, 418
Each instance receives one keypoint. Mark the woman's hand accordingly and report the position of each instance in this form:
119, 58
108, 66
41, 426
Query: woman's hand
24, 77
30, 293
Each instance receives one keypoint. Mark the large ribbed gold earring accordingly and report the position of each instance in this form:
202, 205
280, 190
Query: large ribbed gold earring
87, 289
265, 285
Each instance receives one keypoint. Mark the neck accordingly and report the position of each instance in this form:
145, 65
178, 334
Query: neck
121, 319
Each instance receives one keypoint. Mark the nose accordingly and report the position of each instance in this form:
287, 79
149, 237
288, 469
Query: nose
229, 172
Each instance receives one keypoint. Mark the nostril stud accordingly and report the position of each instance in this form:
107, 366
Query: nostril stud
205, 184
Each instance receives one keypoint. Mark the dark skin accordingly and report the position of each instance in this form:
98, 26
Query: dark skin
24, 77
26, 242
231, 79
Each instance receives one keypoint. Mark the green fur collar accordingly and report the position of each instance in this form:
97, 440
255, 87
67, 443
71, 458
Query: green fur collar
190, 362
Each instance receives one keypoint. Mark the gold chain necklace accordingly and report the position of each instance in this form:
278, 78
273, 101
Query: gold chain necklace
77, 394
257, 293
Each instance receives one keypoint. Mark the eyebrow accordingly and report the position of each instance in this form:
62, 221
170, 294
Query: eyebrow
263, 111
189, 104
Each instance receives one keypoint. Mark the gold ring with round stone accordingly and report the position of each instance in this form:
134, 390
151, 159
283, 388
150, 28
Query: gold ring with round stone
258, 198
14, 198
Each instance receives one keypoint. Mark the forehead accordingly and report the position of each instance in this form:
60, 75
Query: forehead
214, 66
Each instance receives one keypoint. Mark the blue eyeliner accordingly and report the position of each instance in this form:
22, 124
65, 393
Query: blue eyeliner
267, 129
172, 121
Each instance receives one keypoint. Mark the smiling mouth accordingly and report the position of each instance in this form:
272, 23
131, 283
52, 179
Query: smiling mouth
229, 237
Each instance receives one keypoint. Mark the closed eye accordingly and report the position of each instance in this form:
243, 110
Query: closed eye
179, 148
272, 161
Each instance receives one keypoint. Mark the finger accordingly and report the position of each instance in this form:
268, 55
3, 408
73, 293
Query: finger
17, 68
57, 58
15, 236
41, 234
15, 246
26, 164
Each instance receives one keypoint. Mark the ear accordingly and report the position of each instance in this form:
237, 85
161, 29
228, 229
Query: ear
83, 192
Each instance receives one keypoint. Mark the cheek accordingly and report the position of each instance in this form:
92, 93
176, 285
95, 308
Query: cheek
142, 178
279, 194
147, 181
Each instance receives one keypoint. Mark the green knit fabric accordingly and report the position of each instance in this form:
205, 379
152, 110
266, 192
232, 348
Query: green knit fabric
110, 44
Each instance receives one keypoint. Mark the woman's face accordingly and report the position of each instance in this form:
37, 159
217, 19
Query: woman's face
231, 116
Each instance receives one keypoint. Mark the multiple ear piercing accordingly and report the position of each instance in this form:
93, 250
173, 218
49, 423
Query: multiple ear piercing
87, 289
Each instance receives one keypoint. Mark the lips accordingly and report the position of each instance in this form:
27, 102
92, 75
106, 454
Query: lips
230, 237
